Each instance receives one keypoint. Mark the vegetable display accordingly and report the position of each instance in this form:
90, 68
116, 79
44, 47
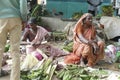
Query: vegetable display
75, 72
44, 72
47, 70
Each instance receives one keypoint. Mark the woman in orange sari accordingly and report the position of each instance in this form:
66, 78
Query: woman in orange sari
86, 47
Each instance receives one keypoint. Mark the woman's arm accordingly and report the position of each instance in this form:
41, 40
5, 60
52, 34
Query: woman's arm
25, 34
82, 39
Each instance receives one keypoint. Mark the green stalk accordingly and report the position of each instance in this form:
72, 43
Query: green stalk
52, 71
33, 12
46, 64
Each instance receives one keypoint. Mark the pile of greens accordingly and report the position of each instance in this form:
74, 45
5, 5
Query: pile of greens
68, 47
76, 72
44, 72
69, 72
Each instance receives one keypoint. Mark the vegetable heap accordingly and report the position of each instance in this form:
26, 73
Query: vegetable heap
48, 69
75, 72
44, 72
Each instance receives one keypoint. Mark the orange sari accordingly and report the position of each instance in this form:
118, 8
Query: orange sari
81, 49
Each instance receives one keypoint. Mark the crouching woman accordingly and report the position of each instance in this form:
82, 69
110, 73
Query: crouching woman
86, 47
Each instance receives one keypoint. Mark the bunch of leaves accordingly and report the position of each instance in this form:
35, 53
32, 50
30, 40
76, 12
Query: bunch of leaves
75, 72
100, 72
24, 74
58, 35
68, 47
37, 10
77, 15
107, 10
44, 72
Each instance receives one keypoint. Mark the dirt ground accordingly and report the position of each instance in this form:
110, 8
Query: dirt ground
113, 66
5, 78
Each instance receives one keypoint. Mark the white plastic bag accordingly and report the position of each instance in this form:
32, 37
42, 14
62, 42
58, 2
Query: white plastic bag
29, 62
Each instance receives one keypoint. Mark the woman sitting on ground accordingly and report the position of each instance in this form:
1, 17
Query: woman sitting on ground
86, 47
34, 34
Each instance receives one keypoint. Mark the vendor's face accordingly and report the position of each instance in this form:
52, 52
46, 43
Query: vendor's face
88, 20
32, 25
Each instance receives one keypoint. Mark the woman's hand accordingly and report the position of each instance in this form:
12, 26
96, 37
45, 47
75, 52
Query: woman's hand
36, 45
95, 47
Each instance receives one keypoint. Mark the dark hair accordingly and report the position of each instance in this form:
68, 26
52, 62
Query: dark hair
32, 20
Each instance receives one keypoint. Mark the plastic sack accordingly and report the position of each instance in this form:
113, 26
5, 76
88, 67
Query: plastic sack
29, 49
111, 24
27, 62
112, 48
110, 54
37, 55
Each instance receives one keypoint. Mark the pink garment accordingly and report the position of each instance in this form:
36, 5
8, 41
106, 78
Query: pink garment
41, 33
53, 51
